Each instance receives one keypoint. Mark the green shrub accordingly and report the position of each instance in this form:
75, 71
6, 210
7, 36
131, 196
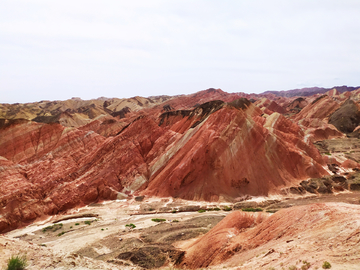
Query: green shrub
306, 265
17, 263
102, 229
76, 224
175, 220
132, 226
326, 265
201, 210
216, 209
62, 233
174, 211
251, 209
272, 211
88, 222
53, 228
293, 267
327, 153
158, 219
227, 208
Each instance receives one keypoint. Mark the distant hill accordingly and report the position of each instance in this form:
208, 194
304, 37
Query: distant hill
310, 91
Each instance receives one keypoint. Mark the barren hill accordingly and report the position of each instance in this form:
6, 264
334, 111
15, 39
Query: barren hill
211, 147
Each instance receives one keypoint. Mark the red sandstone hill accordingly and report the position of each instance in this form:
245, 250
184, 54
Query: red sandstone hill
312, 233
210, 145
234, 152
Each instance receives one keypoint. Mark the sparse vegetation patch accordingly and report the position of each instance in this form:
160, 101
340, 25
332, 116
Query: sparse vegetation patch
132, 226
305, 266
251, 209
62, 233
17, 262
53, 228
158, 219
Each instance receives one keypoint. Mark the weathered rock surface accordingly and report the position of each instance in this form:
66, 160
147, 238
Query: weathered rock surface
297, 105
221, 157
320, 108
207, 146
347, 117
269, 106
314, 233
318, 130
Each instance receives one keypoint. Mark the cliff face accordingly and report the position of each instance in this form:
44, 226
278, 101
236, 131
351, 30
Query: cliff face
207, 146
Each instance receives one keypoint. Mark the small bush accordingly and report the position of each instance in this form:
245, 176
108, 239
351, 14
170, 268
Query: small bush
293, 267
132, 226
17, 263
306, 265
216, 209
175, 220
88, 222
42, 245
53, 228
272, 211
326, 265
173, 211
102, 229
227, 208
251, 209
201, 210
158, 219
76, 224
62, 233
327, 153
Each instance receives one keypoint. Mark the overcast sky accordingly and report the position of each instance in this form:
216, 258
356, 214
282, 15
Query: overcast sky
55, 50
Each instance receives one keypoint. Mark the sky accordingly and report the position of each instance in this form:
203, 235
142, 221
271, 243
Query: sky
56, 50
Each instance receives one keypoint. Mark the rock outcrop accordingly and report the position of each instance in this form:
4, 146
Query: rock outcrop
305, 232
320, 108
347, 117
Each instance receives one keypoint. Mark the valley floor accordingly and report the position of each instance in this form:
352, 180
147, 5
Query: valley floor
100, 236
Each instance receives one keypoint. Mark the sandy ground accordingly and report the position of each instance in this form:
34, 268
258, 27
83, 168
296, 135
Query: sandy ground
95, 246
110, 221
